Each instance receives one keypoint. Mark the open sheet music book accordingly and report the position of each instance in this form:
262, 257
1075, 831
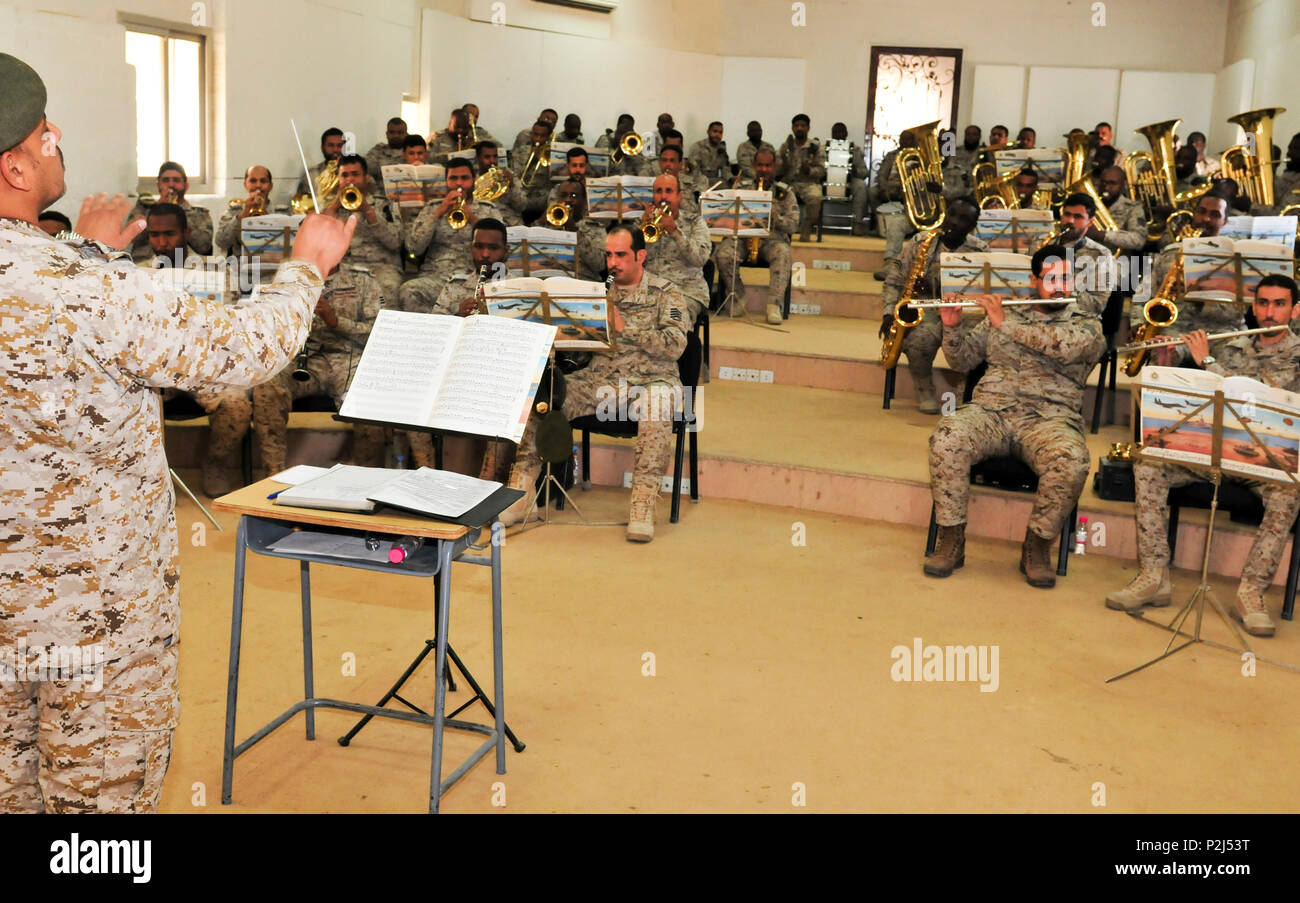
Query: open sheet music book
985, 273
475, 375
1220, 269
619, 197
1273, 414
344, 487
410, 185
578, 309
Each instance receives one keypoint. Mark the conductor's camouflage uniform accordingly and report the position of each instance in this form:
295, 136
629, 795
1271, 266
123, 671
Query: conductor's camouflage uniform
90, 557
774, 250
1029, 404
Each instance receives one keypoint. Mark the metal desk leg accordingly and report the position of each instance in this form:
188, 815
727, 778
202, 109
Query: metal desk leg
307, 674
232, 675
498, 667
440, 666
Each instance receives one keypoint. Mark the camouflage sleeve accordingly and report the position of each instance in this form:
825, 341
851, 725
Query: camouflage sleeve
514, 197
591, 247
1132, 232
694, 243
387, 229
357, 327
784, 164
896, 275
667, 340
965, 346
168, 338
200, 222
449, 298
228, 230
858, 165
785, 213
421, 231
817, 164
1073, 343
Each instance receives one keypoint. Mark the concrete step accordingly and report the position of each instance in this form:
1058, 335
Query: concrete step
827, 293
864, 255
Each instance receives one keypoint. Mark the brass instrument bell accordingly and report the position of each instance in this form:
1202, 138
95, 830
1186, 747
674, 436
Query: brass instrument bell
557, 215
650, 227
351, 198
457, 218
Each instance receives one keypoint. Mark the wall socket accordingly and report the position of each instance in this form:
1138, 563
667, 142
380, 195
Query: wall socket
746, 374
810, 309
842, 265
665, 485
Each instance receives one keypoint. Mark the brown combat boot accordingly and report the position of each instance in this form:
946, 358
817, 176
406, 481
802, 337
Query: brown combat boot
1036, 561
1251, 610
949, 552
641, 513
522, 476
214, 477
927, 401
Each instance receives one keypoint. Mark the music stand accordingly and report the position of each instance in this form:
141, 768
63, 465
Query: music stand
1218, 404
731, 299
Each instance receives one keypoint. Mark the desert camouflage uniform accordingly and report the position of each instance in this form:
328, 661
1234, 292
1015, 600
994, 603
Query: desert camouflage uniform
1029, 404
313, 174
807, 186
1242, 356
444, 146
859, 172
711, 163
688, 179
90, 557
679, 257
745, 154
448, 252
459, 288
774, 250
1093, 270
378, 247
1212, 316
891, 213
536, 193
589, 255
640, 165
1284, 183
1131, 218
512, 204
332, 358
647, 351
377, 158
198, 219
921, 342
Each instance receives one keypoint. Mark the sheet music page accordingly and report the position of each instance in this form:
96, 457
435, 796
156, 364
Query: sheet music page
344, 487
402, 367
439, 492
493, 375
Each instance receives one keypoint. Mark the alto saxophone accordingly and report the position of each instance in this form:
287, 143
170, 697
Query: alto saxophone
905, 316
751, 243
1158, 313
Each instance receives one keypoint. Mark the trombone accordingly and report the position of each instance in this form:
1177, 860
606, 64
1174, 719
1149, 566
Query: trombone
1169, 341
539, 156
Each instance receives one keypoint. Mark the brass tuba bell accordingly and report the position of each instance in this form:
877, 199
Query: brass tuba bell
921, 168
1254, 172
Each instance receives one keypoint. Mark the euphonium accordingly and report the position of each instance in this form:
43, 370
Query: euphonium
302, 203
557, 215
1158, 313
1104, 220
921, 169
650, 227
905, 317
456, 216
629, 146
327, 181
1254, 172
351, 198
491, 186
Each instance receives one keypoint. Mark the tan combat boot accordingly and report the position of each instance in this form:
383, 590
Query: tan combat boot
949, 552
927, 402
774, 314
1251, 610
1149, 587
641, 513
522, 476
1036, 561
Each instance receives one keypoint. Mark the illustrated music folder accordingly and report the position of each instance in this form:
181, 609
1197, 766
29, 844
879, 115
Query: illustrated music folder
1220, 269
577, 309
539, 251
985, 273
269, 237
619, 197
743, 212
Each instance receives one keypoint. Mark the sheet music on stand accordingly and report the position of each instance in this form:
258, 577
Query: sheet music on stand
619, 197
540, 251
577, 309
737, 212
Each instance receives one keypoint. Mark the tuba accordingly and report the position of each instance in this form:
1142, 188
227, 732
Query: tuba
538, 158
630, 146
921, 169
327, 181
1253, 172
1151, 175
993, 191
1104, 220
906, 316
1078, 146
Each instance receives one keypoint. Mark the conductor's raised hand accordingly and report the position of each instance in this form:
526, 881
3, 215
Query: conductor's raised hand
101, 220
323, 240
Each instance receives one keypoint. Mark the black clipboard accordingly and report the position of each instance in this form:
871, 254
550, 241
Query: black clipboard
485, 512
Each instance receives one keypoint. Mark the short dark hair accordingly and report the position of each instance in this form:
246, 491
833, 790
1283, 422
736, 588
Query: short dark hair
1081, 199
968, 200
549, 110
764, 152
575, 152
396, 119
713, 123
1028, 171
1029, 130
57, 217
1285, 282
415, 141
673, 133
799, 116
347, 159
638, 237
671, 147
626, 117
544, 124
1000, 126
1194, 135
459, 163
1046, 254
1105, 124
484, 145
159, 210
329, 132
173, 167
491, 224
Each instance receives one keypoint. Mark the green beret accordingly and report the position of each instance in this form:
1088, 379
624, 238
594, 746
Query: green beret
22, 100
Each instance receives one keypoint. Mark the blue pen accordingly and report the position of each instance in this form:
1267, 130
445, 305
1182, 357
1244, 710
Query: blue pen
274, 494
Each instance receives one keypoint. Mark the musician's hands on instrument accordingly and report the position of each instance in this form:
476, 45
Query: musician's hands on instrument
101, 220
332, 207
951, 316
886, 322
992, 305
467, 307
668, 223
449, 201
323, 240
326, 313
1198, 345
1166, 356
249, 203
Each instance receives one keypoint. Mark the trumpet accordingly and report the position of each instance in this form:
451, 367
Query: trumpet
258, 207
752, 243
351, 198
650, 227
457, 218
630, 146
557, 215
1213, 337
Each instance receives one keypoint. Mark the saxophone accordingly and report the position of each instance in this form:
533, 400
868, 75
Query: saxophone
905, 317
752, 243
1158, 313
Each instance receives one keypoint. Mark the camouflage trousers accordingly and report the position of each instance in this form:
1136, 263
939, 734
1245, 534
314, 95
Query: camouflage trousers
329, 374
1052, 447
894, 228
772, 251
90, 745
421, 293
810, 206
229, 413
1153, 480
921, 343
858, 194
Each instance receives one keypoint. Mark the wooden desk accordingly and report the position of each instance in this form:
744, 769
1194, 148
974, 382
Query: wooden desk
262, 523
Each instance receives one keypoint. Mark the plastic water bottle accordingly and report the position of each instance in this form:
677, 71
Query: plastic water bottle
577, 467
404, 548
1081, 537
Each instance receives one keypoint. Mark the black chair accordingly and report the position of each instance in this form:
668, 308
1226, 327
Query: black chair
1010, 473
688, 368
1110, 321
184, 407
1243, 507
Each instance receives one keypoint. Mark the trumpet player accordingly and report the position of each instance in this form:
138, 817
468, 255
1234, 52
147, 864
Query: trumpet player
377, 242
533, 170
476, 131
514, 201
671, 163
524, 139
589, 254
922, 341
628, 165
801, 163
1029, 404
455, 138
331, 148
172, 184
257, 189
1272, 357
774, 250
444, 247
682, 249
750, 147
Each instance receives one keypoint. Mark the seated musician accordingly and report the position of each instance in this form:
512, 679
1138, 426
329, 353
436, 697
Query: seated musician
415, 152
533, 170
167, 231
750, 147
1273, 358
524, 140
709, 156
1185, 169
453, 139
513, 202
683, 246
1029, 404
1127, 213
257, 189
1102, 158
857, 178
671, 163
1027, 138
377, 242
172, 185
572, 131
633, 165
331, 148
1027, 189
575, 167
390, 151
589, 254
887, 199
476, 130
1286, 183
801, 162
774, 249
345, 313
1094, 265
921, 342
648, 317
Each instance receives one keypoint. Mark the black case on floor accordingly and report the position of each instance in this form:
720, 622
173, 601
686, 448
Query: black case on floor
1114, 480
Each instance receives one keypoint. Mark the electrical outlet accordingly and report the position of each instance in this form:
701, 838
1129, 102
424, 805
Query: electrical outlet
666, 485
765, 376
815, 309
832, 265
726, 373
627, 479
751, 376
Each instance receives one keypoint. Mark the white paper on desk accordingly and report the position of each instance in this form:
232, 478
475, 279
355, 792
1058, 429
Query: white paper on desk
438, 492
331, 545
299, 473
344, 487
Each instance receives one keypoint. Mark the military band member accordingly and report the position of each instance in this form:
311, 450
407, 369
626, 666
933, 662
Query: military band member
1128, 214
1286, 184
477, 132
998, 136
967, 153
1185, 169
635, 165
345, 313
748, 148
774, 250
648, 318
921, 342
710, 156
1270, 357
682, 249
524, 140
670, 162
1105, 135
257, 190
445, 249
415, 151
1027, 189
172, 185
1027, 138
1093, 264
388, 152
801, 163
572, 131
377, 243
167, 229
858, 174
1029, 404
331, 148
511, 204
1206, 166
538, 179
655, 140
455, 139
589, 253
891, 212
91, 554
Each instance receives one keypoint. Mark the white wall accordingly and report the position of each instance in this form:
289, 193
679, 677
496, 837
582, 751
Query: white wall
1264, 35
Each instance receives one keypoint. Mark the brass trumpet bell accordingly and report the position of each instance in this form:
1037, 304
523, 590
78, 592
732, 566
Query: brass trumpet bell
557, 215
351, 198
650, 227
457, 218
630, 145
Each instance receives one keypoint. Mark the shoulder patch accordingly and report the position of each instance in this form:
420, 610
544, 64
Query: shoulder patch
675, 313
